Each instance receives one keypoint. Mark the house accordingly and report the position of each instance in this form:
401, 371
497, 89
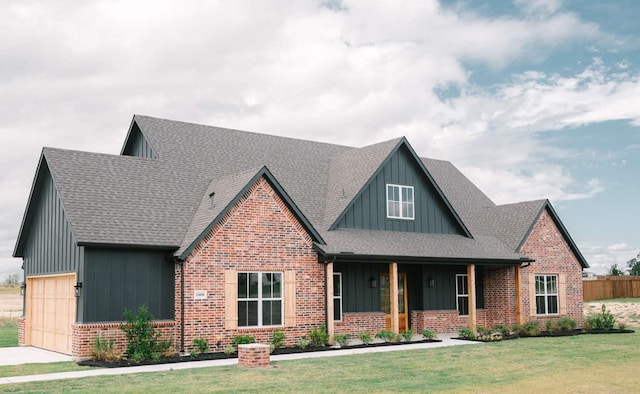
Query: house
222, 232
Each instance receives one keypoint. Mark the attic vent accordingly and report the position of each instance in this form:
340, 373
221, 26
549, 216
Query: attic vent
211, 199
343, 195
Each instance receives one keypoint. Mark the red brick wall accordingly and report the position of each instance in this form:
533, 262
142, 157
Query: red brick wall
499, 295
84, 335
353, 323
254, 355
22, 333
258, 234
553, 256
445, 321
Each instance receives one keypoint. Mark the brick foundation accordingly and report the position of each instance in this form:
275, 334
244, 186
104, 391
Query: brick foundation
22, 331
353, 323
84, 335
253, 355
444, 321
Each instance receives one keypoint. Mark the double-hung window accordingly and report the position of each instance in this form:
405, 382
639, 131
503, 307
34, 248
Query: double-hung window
337, 296
546, 294
462, 294
400, 202
259, 299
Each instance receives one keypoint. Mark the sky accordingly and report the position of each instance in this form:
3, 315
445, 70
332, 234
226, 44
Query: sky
529, 98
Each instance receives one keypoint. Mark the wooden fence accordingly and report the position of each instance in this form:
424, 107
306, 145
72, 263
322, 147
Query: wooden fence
607, 287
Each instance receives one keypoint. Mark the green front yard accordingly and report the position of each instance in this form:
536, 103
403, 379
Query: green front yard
584, 363
8, 332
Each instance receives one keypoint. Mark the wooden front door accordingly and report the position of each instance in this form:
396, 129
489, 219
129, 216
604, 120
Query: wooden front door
385, 300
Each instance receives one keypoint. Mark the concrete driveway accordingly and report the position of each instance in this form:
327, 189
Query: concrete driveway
29, 355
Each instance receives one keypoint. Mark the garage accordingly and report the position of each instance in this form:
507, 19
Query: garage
51, 306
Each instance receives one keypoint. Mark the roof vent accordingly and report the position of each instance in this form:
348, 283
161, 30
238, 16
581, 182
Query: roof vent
211, 199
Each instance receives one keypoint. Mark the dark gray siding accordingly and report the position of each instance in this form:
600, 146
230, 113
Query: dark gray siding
369, 211
115, 279
358, 296
443, 295
50, 247
137, 145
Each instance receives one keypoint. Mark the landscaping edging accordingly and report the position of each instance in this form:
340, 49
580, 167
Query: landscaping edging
222, 356
545, 334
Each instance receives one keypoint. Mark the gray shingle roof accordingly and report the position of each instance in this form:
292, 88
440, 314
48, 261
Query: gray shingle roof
165, 201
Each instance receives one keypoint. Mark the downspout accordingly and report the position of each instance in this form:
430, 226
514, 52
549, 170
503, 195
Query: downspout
181, 264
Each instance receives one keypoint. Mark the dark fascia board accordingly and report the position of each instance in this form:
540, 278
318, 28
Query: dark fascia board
18, 249
264, 171
405, 142
358, 258
563, 230
111, 245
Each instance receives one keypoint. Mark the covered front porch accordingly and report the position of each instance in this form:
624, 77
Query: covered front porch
442, 296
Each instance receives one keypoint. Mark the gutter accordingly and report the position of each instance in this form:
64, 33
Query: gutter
352, 257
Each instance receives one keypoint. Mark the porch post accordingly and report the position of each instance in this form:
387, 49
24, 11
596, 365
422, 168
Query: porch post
329, 287
393, 287
518, 295
471, 290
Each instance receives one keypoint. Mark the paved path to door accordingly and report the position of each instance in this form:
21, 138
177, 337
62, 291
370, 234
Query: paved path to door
446, 341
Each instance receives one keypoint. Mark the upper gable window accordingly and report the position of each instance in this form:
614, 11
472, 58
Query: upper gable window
399, 202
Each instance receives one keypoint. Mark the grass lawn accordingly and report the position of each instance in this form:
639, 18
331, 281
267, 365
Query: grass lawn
625, 300
8, 332
585, 363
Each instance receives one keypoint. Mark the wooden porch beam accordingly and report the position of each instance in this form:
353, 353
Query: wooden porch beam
393, 290
518, 295
471, 290
329, 287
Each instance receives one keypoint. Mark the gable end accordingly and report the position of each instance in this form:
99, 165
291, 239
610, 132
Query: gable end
136, 144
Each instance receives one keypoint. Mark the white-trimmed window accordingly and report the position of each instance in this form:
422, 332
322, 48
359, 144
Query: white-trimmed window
462, 294
400, 202
337, 296
546, 294
259, 299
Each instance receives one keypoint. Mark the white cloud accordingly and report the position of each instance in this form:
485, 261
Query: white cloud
601, 257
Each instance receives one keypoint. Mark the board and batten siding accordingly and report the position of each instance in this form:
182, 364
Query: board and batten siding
137, 145
50, 247
369, 210
442, 296
115, 279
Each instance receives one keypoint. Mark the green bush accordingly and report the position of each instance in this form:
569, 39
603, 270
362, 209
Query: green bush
530, 329
386, 335
319, 336
104, 350
229, 349
407, 335
277, 340
365, 337
502, 329
142, 338
342, 339
550, 328
242, 340
166, 348
466, 333
429, 334
601, 321
201, 345
303, 343
566, 324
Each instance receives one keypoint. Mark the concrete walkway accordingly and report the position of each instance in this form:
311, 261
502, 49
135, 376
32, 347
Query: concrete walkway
29, 355
446, 341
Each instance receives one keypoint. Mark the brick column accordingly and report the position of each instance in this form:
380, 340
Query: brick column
253, 355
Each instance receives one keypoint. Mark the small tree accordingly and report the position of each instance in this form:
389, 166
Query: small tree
634, 266
142, 338
11, 281
614, 270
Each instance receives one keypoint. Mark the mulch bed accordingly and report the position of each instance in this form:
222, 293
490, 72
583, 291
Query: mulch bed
544, 334
222, 356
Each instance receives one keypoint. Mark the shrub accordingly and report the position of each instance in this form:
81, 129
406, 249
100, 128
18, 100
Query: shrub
365, 337
303, 343
319, 336
166, 348
566, 324
601, 321
242, 340
530, 329
429, 334
104, 350
622, 325
502, 329
407, 335
142, 338
342, 339
466, 333
549, 326
277, 340
386, 335
201, 345
229, 349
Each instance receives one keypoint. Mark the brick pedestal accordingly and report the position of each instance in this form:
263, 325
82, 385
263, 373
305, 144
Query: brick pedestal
253, 355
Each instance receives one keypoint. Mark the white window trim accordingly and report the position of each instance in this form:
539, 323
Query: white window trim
413, 202
335, 297
259, 299
546, 295
459, 295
